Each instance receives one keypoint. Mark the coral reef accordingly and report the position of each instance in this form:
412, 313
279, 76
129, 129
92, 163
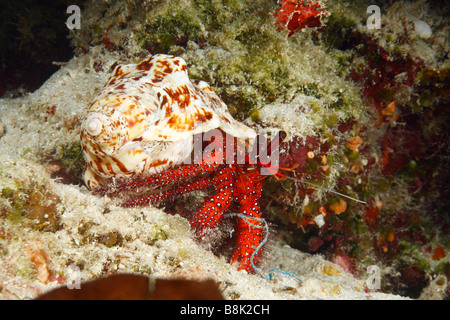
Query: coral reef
295, 15
364, 112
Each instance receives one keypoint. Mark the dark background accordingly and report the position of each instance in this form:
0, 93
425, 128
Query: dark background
33, 34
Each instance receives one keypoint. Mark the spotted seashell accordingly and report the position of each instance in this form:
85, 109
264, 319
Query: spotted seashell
145, 117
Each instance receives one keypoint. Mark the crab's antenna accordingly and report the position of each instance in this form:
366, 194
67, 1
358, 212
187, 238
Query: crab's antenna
249, 221
324, 188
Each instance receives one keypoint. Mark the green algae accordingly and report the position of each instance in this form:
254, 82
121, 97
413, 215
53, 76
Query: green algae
71, 157
31, 205
246, 60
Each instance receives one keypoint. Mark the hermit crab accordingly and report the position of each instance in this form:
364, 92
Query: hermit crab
152, 134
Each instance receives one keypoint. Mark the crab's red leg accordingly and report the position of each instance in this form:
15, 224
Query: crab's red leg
184, 188
167, 194
160, 179
212, 210
250, 232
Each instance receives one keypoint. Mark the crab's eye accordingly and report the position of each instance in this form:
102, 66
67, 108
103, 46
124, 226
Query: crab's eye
94, 125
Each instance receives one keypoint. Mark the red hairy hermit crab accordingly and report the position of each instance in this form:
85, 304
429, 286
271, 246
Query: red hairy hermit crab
153, 134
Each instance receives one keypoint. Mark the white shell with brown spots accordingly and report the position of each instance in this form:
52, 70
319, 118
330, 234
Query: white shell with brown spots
145, 117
